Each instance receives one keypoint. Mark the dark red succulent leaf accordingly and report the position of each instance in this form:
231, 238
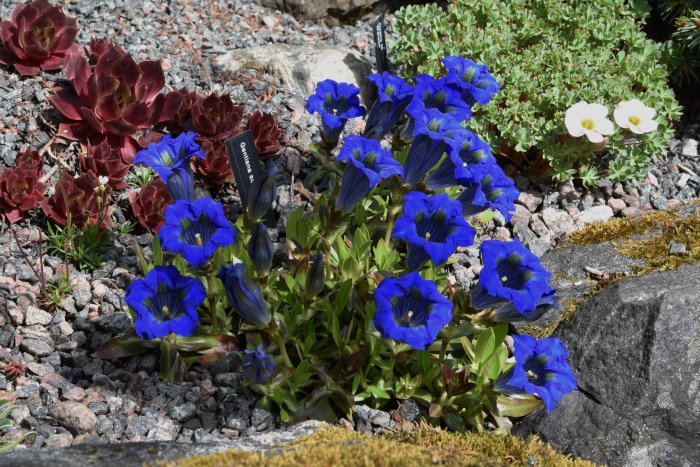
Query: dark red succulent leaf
149, 204
30, 160
37, 37
265, 132
20, 191
215, 168
181, 119
116, 97
77, 197
106, 161
216, 117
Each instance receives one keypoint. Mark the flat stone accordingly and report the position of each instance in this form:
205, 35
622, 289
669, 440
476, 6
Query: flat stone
530, 201
73, 416
36, 347
595, 214
301, 66
689, 148
617, 205
558, 221
676, 248
61, 440
319, 9
34, 315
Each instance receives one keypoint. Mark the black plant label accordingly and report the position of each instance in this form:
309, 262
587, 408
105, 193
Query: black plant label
245, 163
378, 29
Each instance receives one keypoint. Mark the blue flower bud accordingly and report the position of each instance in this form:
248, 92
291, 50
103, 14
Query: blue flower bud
316, 279
262, 194
258, 365
261, 249
244, 296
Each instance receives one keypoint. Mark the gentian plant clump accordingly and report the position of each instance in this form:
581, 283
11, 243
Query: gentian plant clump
352, 302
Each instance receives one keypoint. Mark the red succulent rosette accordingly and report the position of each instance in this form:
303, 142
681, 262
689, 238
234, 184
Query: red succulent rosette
77, 198
20, 191
38, 37
215, 168
265, 132
149, 204
106, 161
30, 160
216, 117
115, 98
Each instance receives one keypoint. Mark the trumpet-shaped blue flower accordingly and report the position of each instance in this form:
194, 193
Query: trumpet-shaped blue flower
367, 165
165, 301
467, 157
540, 369
196, 229
262, 194
258, 365
431, 93
261, 249
433, 132
433, 227
244, 295
170, 158
472, 79
410, 309
507, 313
394, 96
336, 103
511, 274
488, 187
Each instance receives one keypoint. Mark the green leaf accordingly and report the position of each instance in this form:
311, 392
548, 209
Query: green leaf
127, 345
157, 251
518, 406
485, 345
144, 265
378, 392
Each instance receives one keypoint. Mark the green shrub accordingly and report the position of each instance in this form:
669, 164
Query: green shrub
548, 55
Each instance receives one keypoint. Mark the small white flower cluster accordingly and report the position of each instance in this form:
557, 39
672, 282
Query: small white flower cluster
591, 120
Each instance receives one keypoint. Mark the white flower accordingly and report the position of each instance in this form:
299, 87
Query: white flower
103, 180
635, 116
588, 119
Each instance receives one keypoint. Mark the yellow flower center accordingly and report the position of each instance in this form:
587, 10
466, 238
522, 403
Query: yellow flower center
531, 375
634, 120
198, 239
588, 123
427, 236
166, 312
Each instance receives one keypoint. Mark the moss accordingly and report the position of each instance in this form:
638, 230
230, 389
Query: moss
419, 447
616, 229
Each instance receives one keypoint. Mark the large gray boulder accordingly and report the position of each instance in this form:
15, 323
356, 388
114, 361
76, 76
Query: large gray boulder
317, 9
635, 349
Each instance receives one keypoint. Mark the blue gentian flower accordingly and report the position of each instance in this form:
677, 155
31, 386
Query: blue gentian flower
394, 96
244, 295
196, 229
472, 79
316, 277
410, 309
511, 274
468, 154
170, 158
261, 249
433, 227
540, 369
507, 313
258, 365
367, 165
336, 103
262, 194
488, 187
433, 131
431, 93
165, 301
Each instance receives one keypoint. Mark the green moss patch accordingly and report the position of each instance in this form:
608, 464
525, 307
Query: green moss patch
422, 446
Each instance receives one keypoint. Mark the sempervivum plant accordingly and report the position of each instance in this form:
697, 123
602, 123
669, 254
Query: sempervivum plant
38, 37
149, 204
76, 198
106, 161
216, 116
20, 191
30, 160
266, 133
215, 168
115, 98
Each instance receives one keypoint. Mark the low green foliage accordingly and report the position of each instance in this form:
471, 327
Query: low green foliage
5, 409
140, 176
418, 447
548, 55
57, 290
83, 248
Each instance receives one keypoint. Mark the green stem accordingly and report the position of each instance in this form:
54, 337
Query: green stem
212, 303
